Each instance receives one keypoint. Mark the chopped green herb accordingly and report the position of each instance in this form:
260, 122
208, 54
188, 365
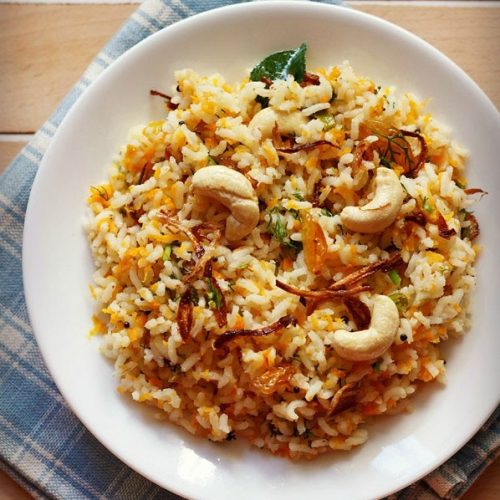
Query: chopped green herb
394, 277
167, 253
427, 206
244, 265
279, 65
471, 230
276, 227
211, 161
459, 184
213, 295
462, 214
465, 233
385, 162
376, 365
327, 118
400, 300
326, 212
396, 144
298, 196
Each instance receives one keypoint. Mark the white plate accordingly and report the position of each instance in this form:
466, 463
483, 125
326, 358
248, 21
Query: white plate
57, 263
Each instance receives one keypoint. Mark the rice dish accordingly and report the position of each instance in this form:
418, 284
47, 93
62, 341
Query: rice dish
257, 299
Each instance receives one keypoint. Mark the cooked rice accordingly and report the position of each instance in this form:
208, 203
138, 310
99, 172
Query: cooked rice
212, 392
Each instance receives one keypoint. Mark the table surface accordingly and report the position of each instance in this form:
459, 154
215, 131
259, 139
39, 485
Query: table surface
41, 58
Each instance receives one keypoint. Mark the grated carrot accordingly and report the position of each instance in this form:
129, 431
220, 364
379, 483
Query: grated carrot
98, 328
217, 275
370, 409
239, 323
156, 382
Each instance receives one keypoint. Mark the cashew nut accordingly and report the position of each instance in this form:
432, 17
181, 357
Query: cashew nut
235, 192
368, 344
381, 212
288, 123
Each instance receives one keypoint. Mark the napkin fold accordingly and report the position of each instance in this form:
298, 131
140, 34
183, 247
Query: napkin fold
43, 446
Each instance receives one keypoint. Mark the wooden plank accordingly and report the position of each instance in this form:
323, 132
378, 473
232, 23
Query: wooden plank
469, 36
10, 490
41, 57
8, 150
43, 51
487, 487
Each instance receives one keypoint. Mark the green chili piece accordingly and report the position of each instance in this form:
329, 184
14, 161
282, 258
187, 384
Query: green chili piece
167, 253
394, 277
400, 300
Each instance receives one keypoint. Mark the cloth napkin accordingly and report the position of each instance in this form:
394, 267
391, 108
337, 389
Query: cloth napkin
43, 446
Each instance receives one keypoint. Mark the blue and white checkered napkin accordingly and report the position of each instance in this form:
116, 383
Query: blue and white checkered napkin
43, 445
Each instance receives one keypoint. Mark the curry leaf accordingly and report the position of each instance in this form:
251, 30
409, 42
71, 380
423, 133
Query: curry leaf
279, 65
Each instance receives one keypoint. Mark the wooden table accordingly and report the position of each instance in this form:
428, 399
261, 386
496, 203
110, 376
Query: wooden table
44, 49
